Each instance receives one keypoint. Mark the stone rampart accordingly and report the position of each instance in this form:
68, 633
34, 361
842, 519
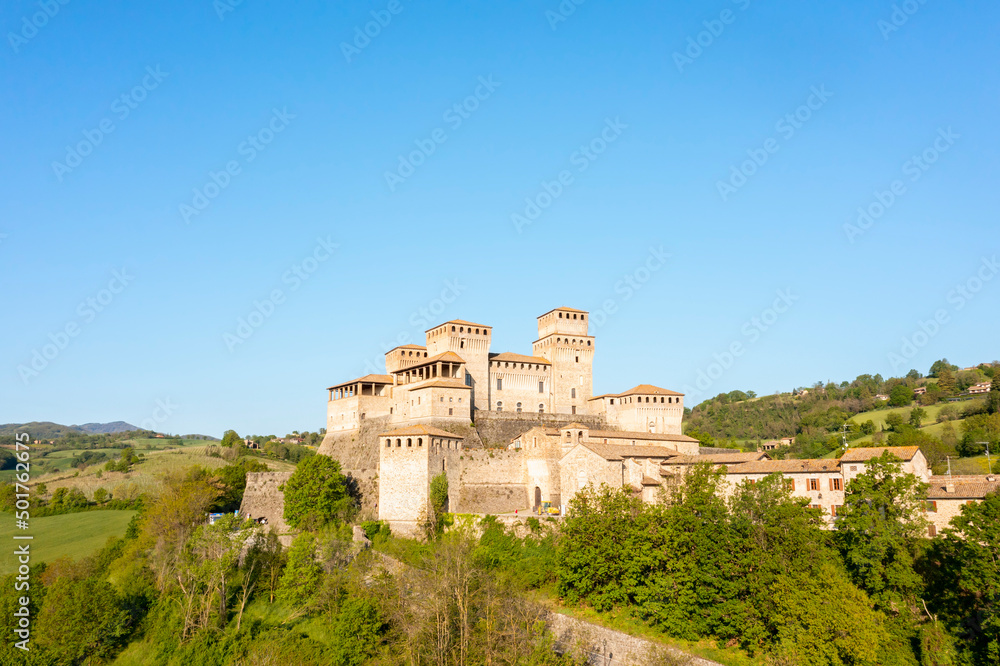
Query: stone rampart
263, 498
497, 429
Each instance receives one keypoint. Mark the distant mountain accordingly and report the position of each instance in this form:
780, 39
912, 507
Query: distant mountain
39, 429
105, 428
50, 430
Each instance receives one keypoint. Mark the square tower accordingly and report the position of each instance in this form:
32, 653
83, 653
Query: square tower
563, 340
471, 342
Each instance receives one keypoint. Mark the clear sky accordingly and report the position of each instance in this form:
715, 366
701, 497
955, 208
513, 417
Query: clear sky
684, 171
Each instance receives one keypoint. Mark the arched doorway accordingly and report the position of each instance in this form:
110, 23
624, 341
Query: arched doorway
538, 498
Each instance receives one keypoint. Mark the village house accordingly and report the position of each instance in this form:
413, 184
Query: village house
980, 388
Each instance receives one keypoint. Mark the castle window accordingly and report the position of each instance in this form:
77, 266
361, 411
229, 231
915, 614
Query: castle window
577, 359
518, 407
574, 316
399, 443
583, 316
477, 331
560, 315
461, 329
420, 441
541, 387
572, 393
388, 443
409, 442
442, 398
647, 398
499, 383
541, 408
499, 406
573, 409
461, 344
451, 411
452, 329
450, 399
588, 343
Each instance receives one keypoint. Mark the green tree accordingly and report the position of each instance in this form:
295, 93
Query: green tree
234, 482
947, 382
82, 619
316, 494
357, 632
231, 439
938, 366
439, 502
993, 398
302, 574
894, 420
900, 396
100, 495
917, 416
878, 530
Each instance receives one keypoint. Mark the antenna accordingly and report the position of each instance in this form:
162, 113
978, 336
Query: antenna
949, 466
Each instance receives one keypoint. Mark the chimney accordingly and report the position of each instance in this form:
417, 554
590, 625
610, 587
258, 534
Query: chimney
949, 487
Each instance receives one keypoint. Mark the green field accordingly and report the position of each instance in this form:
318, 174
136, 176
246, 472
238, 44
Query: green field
74, 535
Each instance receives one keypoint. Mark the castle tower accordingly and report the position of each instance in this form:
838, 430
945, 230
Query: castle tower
471, 342
563, 340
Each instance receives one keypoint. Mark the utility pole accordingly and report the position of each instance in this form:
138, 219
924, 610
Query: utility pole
949, 466
843, 435
989, 465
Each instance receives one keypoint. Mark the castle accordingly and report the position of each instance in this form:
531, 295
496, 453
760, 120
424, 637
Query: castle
529, 413
454, 376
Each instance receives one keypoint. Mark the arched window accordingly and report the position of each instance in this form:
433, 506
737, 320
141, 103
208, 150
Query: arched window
388, 443
399, 443
409, 442
572, 393
518, 407
420, 441
499, 406
541, 409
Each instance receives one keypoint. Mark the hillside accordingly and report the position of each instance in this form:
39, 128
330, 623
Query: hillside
104, 428
50, 430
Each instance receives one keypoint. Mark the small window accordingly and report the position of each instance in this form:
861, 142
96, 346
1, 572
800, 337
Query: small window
420, 441
541, 409
518, 407
399, 443
499, 406
388, 443
499, 384
854, 468
836, 484
931, 506
572, 393
577, 359
573, 409
451, 411
932, 530
541, 387
409, 442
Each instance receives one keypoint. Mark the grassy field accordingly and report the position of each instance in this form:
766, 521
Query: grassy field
74, 535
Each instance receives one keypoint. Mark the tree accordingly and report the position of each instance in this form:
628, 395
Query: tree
231, 439
439, 502
234, 482
964, 568
947, 382
82, 619
938, 366
917, 416
894, 420
913, 375
900, 396
301, 578
993, 398
100, 495
316, 494
878, 529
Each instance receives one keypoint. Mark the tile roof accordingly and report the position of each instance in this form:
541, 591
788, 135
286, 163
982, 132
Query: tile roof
563, 309
518, 358
656, 436
440, 382
650, 481
966, 487
734, 458
421, 347
460, 322
420, 430
641, 389
367, 379
448, 356
784, 467
862, 454
615, 452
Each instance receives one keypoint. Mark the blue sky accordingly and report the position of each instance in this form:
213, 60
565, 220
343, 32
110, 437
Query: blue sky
249, 157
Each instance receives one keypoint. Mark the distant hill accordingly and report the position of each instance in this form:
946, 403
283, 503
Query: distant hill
50, 430
104, 428
39, 429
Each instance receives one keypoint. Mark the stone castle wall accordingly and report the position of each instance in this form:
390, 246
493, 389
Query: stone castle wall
263, 498
497, 429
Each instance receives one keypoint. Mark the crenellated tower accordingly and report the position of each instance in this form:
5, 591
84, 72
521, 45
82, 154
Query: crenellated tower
563, 340
471, 342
